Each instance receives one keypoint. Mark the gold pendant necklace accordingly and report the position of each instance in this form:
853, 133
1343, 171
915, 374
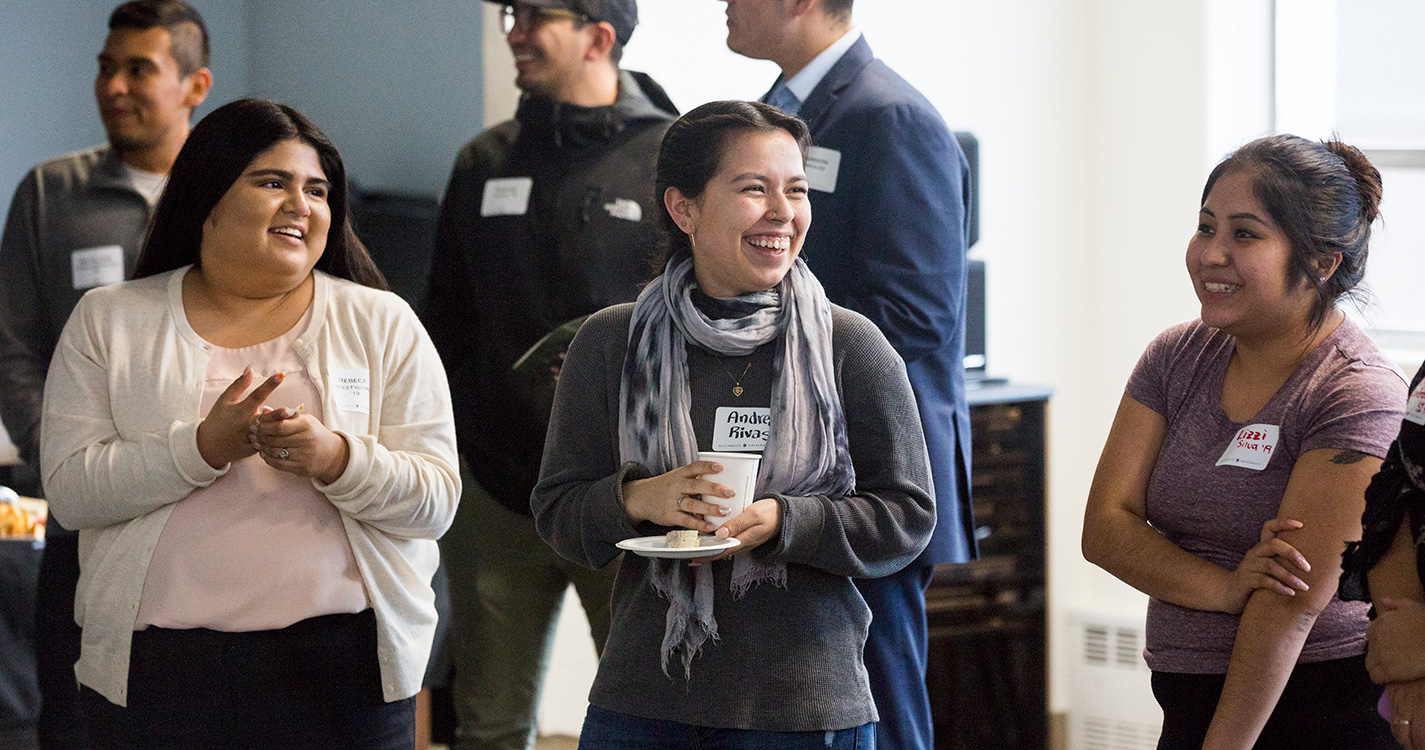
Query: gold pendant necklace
736, 380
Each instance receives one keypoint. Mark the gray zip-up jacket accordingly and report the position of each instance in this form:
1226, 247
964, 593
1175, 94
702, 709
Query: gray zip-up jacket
76, 202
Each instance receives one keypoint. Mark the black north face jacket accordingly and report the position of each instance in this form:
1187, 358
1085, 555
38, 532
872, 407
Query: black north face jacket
507, 271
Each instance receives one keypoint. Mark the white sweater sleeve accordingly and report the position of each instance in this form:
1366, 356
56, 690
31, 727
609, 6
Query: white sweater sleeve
405, 478
93, 475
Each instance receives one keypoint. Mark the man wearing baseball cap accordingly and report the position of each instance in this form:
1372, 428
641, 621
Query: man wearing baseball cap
547, 217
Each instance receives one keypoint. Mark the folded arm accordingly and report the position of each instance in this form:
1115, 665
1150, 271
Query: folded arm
1327, 492
1118, 538
1396, 656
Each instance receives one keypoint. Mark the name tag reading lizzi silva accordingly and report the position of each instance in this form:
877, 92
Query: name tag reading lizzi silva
741, 428
1415, 407
1252, 447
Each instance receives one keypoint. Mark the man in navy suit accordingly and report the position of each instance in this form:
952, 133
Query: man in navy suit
890, 191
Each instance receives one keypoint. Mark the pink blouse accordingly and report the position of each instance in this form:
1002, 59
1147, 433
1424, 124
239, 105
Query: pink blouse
259, 549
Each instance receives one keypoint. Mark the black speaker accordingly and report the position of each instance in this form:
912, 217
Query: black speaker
399, 232
971, 146
974, 318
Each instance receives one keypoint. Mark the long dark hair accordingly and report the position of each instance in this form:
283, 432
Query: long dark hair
692, 152
1324, 196
217, 151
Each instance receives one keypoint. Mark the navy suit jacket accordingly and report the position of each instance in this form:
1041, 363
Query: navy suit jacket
890, 243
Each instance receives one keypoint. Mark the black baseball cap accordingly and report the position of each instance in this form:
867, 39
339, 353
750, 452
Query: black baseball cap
621, 14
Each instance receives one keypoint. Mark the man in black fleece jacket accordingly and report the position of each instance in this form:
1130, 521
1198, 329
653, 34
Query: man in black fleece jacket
548, 217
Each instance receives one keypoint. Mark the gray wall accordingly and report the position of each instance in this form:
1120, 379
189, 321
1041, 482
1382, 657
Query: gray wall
396, 85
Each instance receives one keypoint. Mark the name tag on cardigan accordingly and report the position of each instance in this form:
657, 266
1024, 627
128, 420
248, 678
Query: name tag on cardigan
740, 428
823, 167
1415, 407
1252, 447
351, 389
506, 196
97, 266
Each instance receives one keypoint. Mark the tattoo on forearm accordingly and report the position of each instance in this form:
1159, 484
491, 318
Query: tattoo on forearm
1345, 458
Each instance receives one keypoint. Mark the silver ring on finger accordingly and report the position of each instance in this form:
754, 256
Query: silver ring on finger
678, 502
284, 454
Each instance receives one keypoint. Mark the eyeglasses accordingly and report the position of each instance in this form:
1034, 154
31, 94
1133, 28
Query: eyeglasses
528, 16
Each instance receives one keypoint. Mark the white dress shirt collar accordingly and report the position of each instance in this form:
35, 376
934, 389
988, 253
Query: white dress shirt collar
807, 78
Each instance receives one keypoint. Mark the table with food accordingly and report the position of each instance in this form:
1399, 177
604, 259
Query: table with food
22, 525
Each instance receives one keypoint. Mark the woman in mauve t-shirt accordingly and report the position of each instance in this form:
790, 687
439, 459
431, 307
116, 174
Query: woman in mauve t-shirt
1234, 473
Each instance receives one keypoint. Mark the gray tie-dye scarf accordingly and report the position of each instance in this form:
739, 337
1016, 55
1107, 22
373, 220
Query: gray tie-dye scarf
806, 452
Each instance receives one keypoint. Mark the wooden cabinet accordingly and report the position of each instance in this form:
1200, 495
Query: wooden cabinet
987, 671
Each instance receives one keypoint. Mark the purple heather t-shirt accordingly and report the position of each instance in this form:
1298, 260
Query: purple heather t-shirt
1346, 395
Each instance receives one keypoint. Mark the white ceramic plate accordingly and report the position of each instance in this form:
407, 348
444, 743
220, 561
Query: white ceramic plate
657, 546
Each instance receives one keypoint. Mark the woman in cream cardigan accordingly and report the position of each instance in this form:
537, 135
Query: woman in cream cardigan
256, 444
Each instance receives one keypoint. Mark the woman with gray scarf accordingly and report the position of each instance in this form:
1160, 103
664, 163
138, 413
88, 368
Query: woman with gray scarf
758, 645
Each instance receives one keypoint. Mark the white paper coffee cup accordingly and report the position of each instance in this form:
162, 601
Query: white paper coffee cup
739, 471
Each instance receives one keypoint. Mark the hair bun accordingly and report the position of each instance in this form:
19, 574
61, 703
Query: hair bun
1367, 177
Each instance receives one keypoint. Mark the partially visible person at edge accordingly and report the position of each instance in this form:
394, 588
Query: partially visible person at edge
256, 444
1388, 567
884, 154
759, 645
548, 217
1235, 469
77, 222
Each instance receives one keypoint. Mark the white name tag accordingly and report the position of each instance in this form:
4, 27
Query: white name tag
741, 428
351, 389
97, 266
1415, 407
1252, 447
823, 165
506, 196
623, 208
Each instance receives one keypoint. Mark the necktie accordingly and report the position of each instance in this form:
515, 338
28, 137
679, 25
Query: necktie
782, 98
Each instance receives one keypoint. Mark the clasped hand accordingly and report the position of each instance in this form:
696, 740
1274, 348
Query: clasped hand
675, 499
1271, 564
1407, 712
287, 440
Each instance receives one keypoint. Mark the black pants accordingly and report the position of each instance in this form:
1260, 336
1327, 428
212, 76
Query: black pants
316, 684
1328, 705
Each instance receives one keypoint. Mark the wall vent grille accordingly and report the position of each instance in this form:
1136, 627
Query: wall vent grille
1111, 705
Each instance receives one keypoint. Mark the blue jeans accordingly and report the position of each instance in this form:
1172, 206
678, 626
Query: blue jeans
607, 730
